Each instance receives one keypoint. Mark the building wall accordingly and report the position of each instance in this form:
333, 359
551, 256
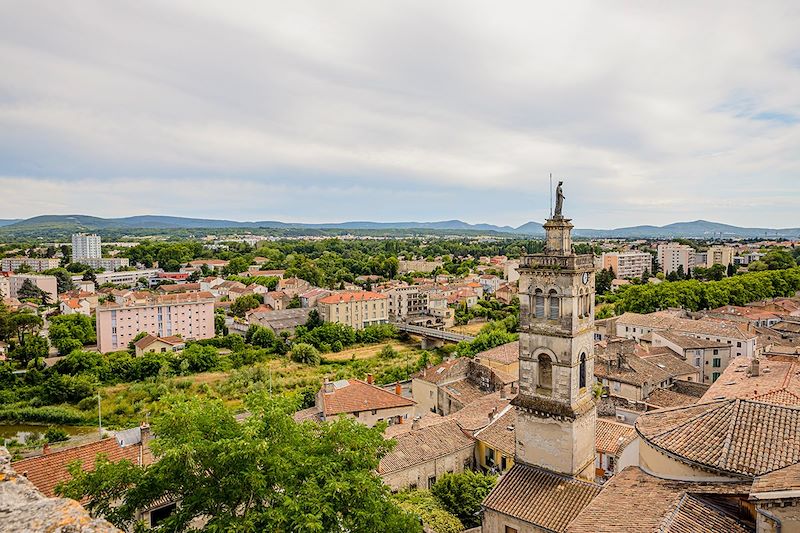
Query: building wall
425, 394
660, 465
126, 278
10, 264
5, 287
356, 314
561, 446
481, 450
420, 474
719, 255
48, 284
673, 255
628, 264
788, 514
746, 347
118, 325
85, 247
494, 522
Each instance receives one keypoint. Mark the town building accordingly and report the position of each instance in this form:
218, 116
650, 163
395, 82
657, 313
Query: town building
719, 255
48, 284
310, 297
490, 283
708, 356
674, 256
357, 309
152, 344
613, 449
212, 264
85, 246
107, 263
127, 277
190, 315
628, 264
774, 379
12, 264
406, 301
405, 266
5, 287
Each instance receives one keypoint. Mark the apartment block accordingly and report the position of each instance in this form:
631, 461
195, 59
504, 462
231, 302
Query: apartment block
719, 255
188, 315
10, 264
85, 246
130, 277
107, 263
48, 284
406, 301
671, 256
356, 309
628, 264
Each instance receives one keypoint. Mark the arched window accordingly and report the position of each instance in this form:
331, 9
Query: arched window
554, 305
582, 376
539, 303
545, 380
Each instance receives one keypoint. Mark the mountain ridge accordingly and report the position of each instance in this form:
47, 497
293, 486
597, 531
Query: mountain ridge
692, 229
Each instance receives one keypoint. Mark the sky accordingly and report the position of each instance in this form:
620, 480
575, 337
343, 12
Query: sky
651, 112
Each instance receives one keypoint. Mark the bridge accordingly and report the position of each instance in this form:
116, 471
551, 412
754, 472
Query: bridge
432, 337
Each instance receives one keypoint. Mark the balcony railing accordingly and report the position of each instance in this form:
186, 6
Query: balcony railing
564, 262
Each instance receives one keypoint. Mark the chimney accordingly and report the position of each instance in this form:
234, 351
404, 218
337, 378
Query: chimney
755, 367
503, 393
415, 423
370, 379
328, 386
46, 448
492, 413
398, 389
513, 388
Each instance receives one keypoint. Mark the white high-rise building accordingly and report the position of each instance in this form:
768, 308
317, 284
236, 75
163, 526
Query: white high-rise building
85, 246
674, 255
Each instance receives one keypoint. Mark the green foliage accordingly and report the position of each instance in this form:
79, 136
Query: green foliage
244, 303
269, 282
305, 353
388, 352
63, 279
294, 302
55, 434
461, 494
694, 295
603, 279
265, 474
30, 291
70, 332
424, 505
200, 358
491, 335
46, 415
323, 337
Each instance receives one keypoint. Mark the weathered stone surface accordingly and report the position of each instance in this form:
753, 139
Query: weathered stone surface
24, 508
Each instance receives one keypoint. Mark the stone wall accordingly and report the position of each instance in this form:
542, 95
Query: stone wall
24, 508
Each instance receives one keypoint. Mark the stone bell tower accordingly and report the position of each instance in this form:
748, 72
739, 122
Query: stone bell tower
556, 414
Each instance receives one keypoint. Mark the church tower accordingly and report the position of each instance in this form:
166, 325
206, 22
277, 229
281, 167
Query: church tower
556, 414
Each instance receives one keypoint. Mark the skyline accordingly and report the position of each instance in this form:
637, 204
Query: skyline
434, 112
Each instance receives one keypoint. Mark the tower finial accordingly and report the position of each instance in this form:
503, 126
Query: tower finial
559, 200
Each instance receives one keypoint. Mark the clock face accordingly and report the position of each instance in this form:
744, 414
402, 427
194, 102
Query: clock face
585, 278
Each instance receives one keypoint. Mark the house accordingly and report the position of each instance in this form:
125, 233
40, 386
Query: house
613, 449
490, 283
293, 286
175, 288
73, 306
357, 309
310, 297
496, 443
506, 293
504, 358
278, 300
213, 264
625, 374
151, 343
708, 356
361, 400
424, 454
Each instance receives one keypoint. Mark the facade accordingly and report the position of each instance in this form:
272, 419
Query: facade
406, 302
710, 357
5, 287
673, 255
356, 309
11, 264
719, 255
107, 263
153, 344
85, 246
628, 264
191, 316
363, 401
48, 284
130, 277
406, 266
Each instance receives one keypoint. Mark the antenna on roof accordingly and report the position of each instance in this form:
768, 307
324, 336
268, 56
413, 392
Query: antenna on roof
551, 195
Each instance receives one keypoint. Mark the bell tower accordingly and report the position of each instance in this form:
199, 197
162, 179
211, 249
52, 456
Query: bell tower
556, 414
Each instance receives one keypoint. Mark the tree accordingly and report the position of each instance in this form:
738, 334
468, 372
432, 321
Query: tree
462, 494
646, 276
731, 270
63, 279
236, 266
244, 303
294, 303
89, 276
603, 280
132, 344
30, 291
266, 473
314, 320
261, 336
70, 332
779, 260
305, 353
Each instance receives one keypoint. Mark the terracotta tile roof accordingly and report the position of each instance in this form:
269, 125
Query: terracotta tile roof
734, 437
354, 395
425, 444
540, 497
463, 391
704, 326
787, 478
672, 364
312, 413
352, 296
670, 398
185, 287
475, 414
426, 420
635, 370
778, 381
149, 339
500, 433
47, 471
612, 437
444, 371
505, 353
686, 341
635, 501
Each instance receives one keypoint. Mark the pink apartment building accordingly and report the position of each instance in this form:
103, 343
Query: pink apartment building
190, 315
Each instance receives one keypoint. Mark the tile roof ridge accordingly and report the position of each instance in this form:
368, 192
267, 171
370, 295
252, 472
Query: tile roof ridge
565, 477
726, 446
688, 420
63, 450
667, 521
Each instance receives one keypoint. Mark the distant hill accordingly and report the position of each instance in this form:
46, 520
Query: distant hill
8, 221
695, 229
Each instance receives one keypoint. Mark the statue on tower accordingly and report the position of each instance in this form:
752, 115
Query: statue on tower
559, 200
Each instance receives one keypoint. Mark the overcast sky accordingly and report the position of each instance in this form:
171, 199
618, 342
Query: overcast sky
651, 112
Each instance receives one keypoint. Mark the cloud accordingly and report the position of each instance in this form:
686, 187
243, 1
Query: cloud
651, 113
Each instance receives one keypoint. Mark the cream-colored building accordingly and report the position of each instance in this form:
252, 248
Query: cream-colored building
671, 256
628, 264
5, 287
49, 284
11, 264
719, 255
406, 301
357, 309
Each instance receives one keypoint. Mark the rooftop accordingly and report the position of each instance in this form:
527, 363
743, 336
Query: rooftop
612, 437
500, 433
541, 497
505, 353
354, 395
425, 444
352, 296
778, 381
704, 326
661, 398
688, 342
742, 438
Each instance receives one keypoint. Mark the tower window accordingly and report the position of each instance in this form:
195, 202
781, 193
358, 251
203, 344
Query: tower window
539, 303
582, 376
545, 380
554, 305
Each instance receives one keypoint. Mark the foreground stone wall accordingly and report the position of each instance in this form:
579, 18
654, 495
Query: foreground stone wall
24, 508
